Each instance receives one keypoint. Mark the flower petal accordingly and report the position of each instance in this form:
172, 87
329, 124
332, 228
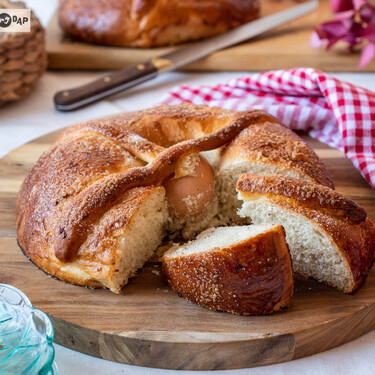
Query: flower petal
368, 33
315, 41
367, 55
335, 29
344, 15
359, 3
367, 13
341, 5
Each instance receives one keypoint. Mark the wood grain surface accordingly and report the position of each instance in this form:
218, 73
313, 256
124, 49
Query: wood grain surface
149, 325
282, 48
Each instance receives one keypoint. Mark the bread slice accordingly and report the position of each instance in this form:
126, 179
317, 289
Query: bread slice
262, 149
242, 269
329, 237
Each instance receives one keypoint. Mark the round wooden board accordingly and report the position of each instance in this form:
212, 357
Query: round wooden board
149, 325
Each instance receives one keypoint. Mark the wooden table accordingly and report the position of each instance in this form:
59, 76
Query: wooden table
149, 325
282, 48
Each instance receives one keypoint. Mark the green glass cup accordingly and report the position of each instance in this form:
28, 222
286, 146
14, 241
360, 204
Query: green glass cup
26, 336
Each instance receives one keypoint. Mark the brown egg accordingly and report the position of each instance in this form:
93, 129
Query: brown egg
188, 196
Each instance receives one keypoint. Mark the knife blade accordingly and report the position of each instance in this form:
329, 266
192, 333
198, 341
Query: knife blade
120, 80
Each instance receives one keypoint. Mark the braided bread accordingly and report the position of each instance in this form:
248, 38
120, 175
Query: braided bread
151, 23
94, 207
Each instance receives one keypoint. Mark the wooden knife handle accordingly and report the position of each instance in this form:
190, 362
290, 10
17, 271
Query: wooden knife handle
109, 84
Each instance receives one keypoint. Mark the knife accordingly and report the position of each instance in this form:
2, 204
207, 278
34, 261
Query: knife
120, 80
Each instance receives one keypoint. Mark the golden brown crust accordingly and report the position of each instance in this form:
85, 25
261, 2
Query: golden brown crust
164, 125
253, 277
265, 141
98, 256
341, 218
61, 173
303, 194
272, 143
150, 23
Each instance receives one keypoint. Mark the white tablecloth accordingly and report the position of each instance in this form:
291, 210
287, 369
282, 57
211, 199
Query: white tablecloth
35, 116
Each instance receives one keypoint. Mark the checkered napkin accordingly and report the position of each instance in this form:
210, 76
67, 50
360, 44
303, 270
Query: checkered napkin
334, 112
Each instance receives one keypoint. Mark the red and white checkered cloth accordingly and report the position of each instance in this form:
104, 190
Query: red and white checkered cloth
334, 112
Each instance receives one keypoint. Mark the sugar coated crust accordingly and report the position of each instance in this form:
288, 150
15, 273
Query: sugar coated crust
253, 277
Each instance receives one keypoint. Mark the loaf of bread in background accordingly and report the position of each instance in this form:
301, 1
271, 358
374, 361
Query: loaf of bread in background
152, 23
242, 269
329, 236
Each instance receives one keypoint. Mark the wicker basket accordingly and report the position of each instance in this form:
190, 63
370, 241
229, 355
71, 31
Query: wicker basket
23, 58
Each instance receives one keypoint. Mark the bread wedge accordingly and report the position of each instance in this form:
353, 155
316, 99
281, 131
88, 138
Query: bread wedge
242, 269
329, 236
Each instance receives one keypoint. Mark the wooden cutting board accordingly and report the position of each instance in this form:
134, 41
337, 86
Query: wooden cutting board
282, 48
149, 325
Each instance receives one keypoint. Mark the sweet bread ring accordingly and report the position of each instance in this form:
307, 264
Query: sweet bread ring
92, 211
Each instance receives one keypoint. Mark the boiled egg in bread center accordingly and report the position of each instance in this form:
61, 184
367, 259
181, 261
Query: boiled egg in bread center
190, 195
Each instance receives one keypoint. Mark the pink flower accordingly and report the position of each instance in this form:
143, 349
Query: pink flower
341, 5
367, 13
353, 23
